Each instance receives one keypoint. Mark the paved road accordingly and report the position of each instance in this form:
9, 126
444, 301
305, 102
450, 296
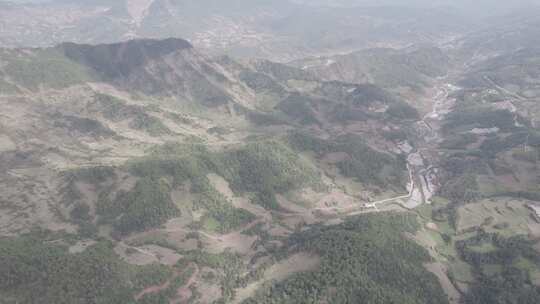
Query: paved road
374, 204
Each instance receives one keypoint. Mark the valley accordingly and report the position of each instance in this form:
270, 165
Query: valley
250, 164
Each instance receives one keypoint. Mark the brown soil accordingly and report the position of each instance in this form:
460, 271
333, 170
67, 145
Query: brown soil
300, 262
432, 226
335, 157
183, 294
158, 288
441, 272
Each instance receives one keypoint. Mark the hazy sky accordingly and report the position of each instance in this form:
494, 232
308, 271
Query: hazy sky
483, 7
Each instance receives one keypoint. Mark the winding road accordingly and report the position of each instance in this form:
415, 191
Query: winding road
417, 167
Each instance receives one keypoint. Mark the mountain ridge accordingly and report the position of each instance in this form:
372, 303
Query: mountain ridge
123, 56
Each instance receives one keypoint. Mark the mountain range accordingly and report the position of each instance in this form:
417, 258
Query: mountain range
279, 153
276, 30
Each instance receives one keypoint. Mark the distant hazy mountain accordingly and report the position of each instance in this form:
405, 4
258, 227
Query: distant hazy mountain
279, 30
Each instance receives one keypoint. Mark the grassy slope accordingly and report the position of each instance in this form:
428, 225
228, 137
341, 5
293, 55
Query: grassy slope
45, 67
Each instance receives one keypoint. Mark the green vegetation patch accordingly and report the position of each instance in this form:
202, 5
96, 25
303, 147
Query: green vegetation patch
45, 67
282, 72
366, 94
115, 109
468, 118
363, 163
261, 82
229, 265
459, 141
402, 111
366, 258
38, 268
299, 108
147, 205
221, 216
507, 217
492, 146
262, 167
502, 268
82, 125
150, 124
93, 175
150, 275
6, 87
461, 188
175, 281
193, 163
266, 168
33, 270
